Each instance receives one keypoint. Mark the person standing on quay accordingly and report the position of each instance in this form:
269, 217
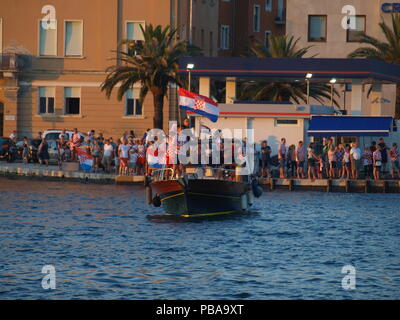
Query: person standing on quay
300, 158
282, 151
384, 153
265, 159
75, 143
395, 161
377, 158
355, 156
43, 152
312, 162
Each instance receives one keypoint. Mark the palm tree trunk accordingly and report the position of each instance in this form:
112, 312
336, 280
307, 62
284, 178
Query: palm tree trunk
397, 107
158, 98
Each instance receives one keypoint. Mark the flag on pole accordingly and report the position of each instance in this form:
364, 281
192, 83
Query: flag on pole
198, 104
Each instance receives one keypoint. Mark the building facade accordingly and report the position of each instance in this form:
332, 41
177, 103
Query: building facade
326, 27
240, 22
51, 71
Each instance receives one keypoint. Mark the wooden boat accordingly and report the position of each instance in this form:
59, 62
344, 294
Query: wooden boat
192, 196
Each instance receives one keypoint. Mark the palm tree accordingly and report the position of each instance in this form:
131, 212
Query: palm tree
153, 63
388, 51
283, 47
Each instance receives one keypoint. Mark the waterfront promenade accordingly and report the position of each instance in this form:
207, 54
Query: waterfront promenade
52, 172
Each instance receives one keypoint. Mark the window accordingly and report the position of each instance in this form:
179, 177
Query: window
46, 100
73, 38
224, 37
133, 106
354, 35
293, 122
256, 18
268, 5
202, 38
47, 40
266, 40
72, 100
134, 32
317, 28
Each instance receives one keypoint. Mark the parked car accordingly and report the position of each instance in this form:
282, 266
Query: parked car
53, 134
8, 150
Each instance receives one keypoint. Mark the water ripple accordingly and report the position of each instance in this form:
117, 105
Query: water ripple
293, 246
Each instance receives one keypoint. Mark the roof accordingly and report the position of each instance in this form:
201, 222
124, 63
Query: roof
291, 69
329, 126
238, 110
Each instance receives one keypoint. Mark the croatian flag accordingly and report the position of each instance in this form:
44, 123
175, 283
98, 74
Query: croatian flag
198, 104
85, 160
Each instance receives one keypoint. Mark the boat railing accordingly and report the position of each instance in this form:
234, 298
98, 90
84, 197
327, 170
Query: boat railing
162, 174
211, 173
206, 173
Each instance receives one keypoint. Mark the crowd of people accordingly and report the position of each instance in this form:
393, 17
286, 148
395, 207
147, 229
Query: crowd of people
343, 161
128, 156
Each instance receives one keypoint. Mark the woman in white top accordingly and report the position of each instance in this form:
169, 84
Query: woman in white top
123, 152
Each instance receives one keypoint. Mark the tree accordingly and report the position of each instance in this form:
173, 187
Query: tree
283, 47
153, 63
388, 51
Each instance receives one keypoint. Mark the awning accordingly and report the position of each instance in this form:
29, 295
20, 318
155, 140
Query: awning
349, 126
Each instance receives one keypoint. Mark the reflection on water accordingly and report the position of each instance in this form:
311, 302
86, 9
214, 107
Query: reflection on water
103, 247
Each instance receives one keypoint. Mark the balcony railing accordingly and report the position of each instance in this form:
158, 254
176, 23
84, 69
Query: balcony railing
8, 62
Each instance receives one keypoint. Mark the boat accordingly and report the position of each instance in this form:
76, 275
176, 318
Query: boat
209, 194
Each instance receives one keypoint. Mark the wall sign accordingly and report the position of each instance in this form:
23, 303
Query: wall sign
390, 7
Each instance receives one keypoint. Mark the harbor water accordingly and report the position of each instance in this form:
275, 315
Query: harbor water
102, 246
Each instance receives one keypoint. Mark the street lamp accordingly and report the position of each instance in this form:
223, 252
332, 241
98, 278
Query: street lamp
308, 77
189, 67
332, 82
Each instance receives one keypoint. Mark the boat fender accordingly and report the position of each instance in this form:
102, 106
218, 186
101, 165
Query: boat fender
243, 202
149, 196
257, 190
250, 198
156, 201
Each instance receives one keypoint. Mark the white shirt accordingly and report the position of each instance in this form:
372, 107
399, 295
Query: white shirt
124, 151
108, 150
356, 153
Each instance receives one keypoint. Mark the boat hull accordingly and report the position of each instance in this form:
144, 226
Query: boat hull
200, 198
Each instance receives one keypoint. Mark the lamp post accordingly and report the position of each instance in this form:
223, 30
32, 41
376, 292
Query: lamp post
332, 82
189, 68
308, 77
